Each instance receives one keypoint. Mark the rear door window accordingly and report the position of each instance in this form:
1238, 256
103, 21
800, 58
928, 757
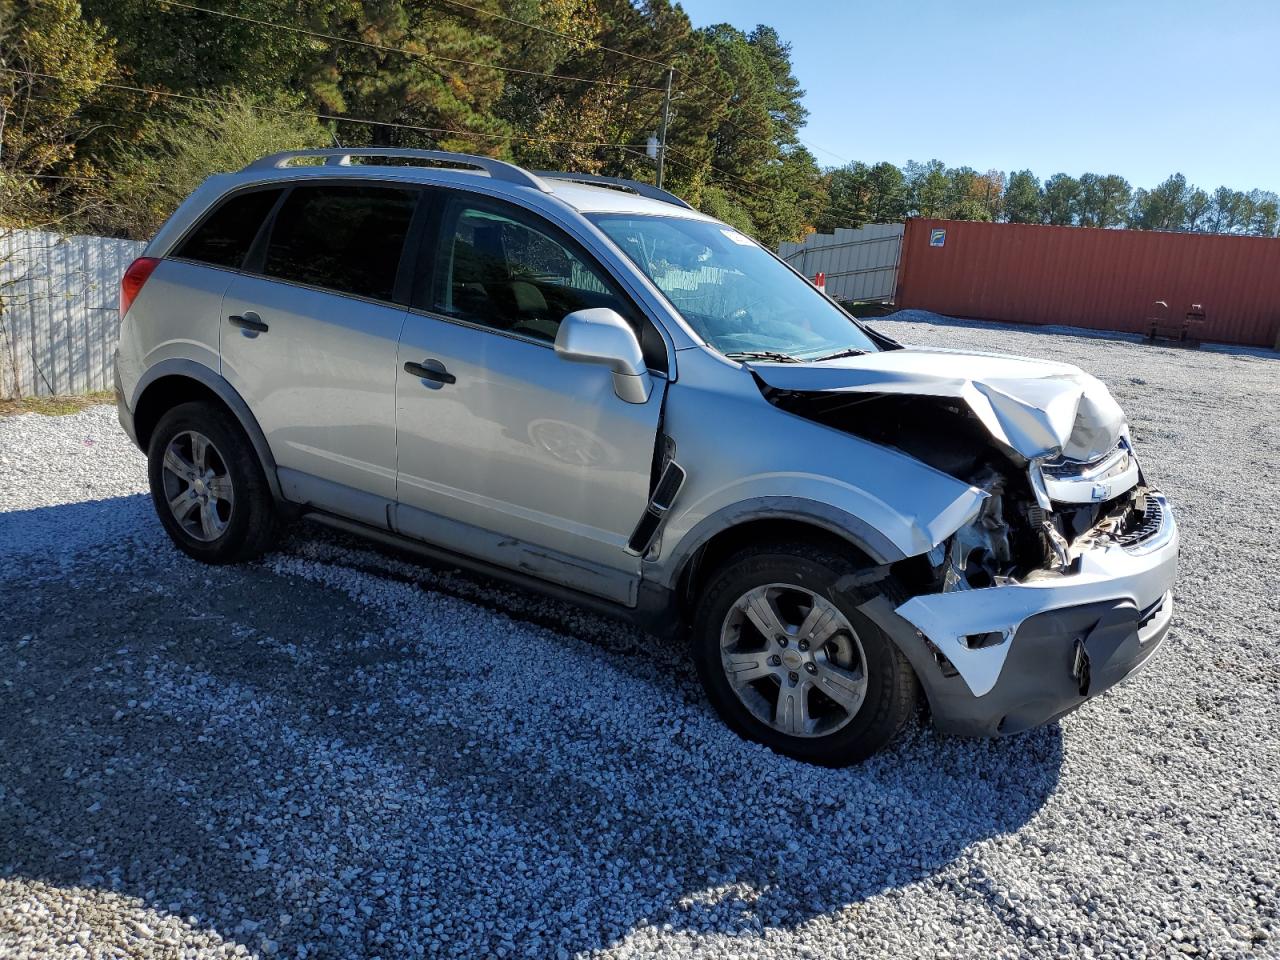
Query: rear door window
342, 237
225, 236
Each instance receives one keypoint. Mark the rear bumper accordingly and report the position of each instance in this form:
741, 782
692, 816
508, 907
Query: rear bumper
1006, 658
122, 407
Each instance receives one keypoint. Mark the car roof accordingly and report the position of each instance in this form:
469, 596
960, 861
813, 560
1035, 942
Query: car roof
600, 195
587, 198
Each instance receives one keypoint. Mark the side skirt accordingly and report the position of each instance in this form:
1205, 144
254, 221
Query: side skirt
656, 611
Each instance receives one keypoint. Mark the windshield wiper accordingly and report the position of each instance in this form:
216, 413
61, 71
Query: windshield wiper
762, 355
838, 355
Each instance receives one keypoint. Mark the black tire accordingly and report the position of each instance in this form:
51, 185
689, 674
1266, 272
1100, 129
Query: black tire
252, 525
891, 688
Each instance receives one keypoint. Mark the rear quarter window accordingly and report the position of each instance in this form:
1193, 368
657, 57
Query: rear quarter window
224, 237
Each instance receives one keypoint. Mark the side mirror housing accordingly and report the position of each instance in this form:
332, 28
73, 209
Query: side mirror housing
600, 335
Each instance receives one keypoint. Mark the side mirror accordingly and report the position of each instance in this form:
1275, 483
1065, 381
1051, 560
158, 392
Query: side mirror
600, 335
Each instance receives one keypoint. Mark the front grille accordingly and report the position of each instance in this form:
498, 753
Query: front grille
1114, 461
1146, 528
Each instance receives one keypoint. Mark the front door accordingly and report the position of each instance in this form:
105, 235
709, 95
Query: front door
309, 339
507, 451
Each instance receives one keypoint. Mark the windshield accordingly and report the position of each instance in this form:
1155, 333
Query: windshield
736, 295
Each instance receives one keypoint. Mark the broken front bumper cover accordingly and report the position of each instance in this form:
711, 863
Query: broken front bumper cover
1018, 655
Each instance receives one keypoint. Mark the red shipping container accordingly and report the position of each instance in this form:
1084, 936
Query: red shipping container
1093, 278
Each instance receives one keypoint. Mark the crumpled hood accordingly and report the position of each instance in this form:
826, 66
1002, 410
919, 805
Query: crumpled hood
1037, 407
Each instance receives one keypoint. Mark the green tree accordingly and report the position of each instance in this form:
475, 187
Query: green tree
1161, 208
1229, 212
1198, 208
170, 48
990, 188
194, 141
43, 121
754, 147
1103, 201
862, 194
563, 122
927, 188
1022, 198
848, 190
971, 195
886, 194
723, 205
1061, 197
428, 85
1264, 213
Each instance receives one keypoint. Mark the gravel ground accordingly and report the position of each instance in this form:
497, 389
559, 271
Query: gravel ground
334, 753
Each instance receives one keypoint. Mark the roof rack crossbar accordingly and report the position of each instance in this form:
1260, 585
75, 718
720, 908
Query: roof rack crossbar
341, 157
617, 183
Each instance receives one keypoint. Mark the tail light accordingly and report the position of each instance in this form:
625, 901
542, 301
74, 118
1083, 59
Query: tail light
132, 281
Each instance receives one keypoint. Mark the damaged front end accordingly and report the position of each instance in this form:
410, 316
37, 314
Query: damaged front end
1036, 508
1064, 507
1058, 585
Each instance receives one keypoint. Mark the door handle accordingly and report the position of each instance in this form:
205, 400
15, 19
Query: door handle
432, 370
250, 321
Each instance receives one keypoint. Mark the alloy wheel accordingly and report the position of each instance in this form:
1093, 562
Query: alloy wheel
197, 486
794, 660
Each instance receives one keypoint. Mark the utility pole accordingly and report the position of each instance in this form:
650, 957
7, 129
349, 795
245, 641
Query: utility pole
662, 130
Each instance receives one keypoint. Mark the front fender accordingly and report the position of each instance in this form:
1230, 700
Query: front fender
666, 569
747, 460
885, 533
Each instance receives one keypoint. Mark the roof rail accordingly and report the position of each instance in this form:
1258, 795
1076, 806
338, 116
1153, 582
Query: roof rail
617, 183
341, 157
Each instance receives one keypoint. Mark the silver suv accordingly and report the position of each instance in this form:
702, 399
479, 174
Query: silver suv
583, 385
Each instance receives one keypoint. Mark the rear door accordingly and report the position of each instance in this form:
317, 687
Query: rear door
309, 338
508, 451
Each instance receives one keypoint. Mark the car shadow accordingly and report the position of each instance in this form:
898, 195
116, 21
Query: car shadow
336, 752
68, 530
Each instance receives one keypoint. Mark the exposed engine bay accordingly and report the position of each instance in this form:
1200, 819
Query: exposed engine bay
1039, 512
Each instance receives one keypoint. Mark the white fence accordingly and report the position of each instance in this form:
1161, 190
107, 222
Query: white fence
58, 298
860, 264
58, 311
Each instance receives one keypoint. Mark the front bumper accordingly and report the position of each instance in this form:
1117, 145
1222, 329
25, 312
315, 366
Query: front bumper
1002, 659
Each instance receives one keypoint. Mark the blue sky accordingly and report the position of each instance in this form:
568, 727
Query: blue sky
1142, 89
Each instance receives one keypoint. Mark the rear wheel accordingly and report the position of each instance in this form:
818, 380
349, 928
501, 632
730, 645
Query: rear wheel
788, 660
208, 486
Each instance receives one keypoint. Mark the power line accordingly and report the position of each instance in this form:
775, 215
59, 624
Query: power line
741, 183
326, 116
64, 176
741, 129
385, 48
746, 185
557, 33
493, 66
635, 56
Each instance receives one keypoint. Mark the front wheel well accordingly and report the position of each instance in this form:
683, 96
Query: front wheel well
710, 555
165, 394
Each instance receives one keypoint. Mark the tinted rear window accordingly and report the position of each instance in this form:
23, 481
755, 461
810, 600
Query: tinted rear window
344, 238
225, 236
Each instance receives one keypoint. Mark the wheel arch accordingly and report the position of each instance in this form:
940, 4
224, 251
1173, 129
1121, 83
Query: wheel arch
173, 382
718, 537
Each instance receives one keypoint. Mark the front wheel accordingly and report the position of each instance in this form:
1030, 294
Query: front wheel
789, 661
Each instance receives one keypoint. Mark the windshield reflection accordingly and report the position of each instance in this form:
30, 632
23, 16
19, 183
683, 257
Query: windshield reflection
736, 295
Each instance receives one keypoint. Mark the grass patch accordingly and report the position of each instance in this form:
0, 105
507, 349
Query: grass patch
54, 406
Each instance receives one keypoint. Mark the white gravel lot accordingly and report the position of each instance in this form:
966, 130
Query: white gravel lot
335, 753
